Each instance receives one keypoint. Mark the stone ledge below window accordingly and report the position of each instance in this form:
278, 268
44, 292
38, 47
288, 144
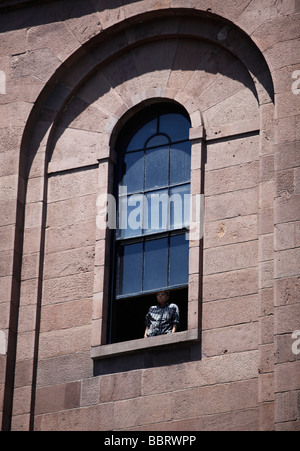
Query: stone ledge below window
128, 347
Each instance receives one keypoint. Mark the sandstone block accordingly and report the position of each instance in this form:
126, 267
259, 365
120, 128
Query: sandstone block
78, 235
230, 231
47, 422
31, 266
286, 407
22, 399
229, 205
231, 179
266, 387
201, 401
34, 215
95, 418
283, 349
266, 330
120, 386
231, 339
287, 377
74, 261
285, 130
74, 146
287, 263
230, 284
266, 221
69, 288
6, 263
231, 257
222, 369
287, 209
246, 420
232, 152
40, 63
142, 411
266, 358
266, 247
266, 301
90, 391
55, 37
8, 188
71, 211
243, 395
230, 312
287, 319
67, 315
67, 186
287, 291
65, 341
65, 368
25, 349
285, 236
58, 397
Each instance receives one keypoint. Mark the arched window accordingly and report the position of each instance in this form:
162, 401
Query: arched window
151, 245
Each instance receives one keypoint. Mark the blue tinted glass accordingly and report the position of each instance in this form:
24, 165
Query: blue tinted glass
156, 264
130, 268
180, 163
157, 204
158, 140
133, 172
131, 216
179, 206
139, 139
179, 260
157, 168
175, 126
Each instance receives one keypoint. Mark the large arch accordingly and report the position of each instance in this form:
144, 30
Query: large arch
88, 99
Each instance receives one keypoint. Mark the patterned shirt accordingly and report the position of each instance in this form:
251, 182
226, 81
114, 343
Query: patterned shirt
160, 320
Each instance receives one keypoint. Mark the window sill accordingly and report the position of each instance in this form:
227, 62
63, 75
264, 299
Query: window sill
127, 347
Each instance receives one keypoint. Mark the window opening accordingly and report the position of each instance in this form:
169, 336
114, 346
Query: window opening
151, 246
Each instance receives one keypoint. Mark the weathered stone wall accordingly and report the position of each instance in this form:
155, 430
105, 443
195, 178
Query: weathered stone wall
71, 77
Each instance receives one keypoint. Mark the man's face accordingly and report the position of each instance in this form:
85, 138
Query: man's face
162, 297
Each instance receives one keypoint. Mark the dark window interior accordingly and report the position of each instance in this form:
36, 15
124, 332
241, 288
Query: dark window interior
129, 314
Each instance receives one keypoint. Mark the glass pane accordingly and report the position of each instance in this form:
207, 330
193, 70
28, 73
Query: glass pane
179, 207
130, 268
139, 139
130, 216
132, 175
156, 264
157, 204
158, 140
157, 168
175, 126
179, 260
180, 163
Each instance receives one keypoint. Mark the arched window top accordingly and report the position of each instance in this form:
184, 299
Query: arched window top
160, 125
163, 130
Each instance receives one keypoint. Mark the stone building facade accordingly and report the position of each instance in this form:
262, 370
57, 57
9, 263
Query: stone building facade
72, 74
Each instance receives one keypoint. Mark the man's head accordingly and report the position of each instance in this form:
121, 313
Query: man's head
162, 297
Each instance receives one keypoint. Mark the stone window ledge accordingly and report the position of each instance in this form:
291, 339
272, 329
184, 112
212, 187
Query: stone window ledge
128, 347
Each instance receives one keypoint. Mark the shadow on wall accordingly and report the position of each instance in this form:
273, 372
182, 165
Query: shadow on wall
20, 16
148, 359
210, 69
139, 59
